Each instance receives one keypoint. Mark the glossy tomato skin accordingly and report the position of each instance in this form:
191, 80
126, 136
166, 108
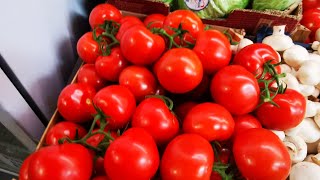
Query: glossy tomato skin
236, 89
75, 103
127, 23
140, 47
311, 20
187, 157
310, 4
209, 120
87, 48
110, 67
183, 109
64, 129
290, 113
70, 161
154, 21
118, 103
24, 169
98, 166
260, 154
101, 178
245, 122
153, 115
87, 74
103, 12
213, 49
134, 155
179, 70
139, 80
254, 56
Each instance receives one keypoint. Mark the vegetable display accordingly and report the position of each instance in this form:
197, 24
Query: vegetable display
165, 97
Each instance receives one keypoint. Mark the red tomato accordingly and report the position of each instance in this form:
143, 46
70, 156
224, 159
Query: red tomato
154, 21
254, 56
139, 46
118, 103
134, 155
179, 70
103, 12
110, 67
60, 162
210, 121
236, 89
139, 80
245, 122
153, 115
213, 49
75, 103
188, 20
88, 74
101, 178
310, 4
64, 129
290, 113
187, 157
201, 92
98, 166
260, 154
97, 138
23, 172
183, 109
87, 48
311, 20
127, 23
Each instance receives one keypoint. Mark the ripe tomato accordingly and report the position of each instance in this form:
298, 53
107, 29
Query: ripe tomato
87, 48
183, 109
260, 154
88, 74
153, 115
236, 89
311, 20
75, 102
290, 113
134, 155
23, 172
139, 80
187, 157
127, 23
310, 4
245, 122
254, 56
101, 178
103, 12
209, 120
139, 46
97, 138
154, 21
64, 129
118, 103
110, 67
60, 162
179, 70
213, 49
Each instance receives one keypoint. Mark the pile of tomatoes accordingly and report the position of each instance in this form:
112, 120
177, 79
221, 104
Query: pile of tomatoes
165, 99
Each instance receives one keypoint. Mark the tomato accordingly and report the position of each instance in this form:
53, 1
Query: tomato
311, 20
75, 102
213, 49
103, 12
87, 48
64, 129
88, 74
236, 89
245, 122
98, 166
211, 121
97, 138
110, 67
179, 70
134, 155
290, 113
260, 154
187, 157
310, 4
60, 162
127, 23
201, 92
183, 109
118, 103
139, 80
188, 20
140, 47
153, 115
254, 56
23, 172
154, 21
101, 178
160, 90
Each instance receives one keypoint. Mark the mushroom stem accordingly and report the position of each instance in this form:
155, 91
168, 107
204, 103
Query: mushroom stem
297, 148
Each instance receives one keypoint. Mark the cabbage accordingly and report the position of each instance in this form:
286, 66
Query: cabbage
215, 8
272, 4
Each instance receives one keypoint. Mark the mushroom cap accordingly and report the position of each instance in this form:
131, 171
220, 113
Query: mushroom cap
295, 56
305, 171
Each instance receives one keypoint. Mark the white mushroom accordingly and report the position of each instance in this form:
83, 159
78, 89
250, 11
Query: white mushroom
309, 73
243, 43
309, 131
315, 45
297, 148
317, 119
291, 81
317, 35
316, 159
306, 90
314, 57
295, 56
293, 131
285, 68
308, 158
313, 147
305, 171
311, 109
278, 40
315, 93
280, 134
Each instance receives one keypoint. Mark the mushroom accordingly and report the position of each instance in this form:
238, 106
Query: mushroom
305, 170
313, 147
306, 90
243, 43
317, 35
280, 134
309, 73
315, 45
297, 148
293, 131
314, 57
285, 68
316, 159
317, 118
309, 131
295, 56
278, 40
315, 93
308, 158
311, 109
291, 81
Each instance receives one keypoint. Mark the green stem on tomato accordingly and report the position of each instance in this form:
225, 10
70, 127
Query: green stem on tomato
165, 99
